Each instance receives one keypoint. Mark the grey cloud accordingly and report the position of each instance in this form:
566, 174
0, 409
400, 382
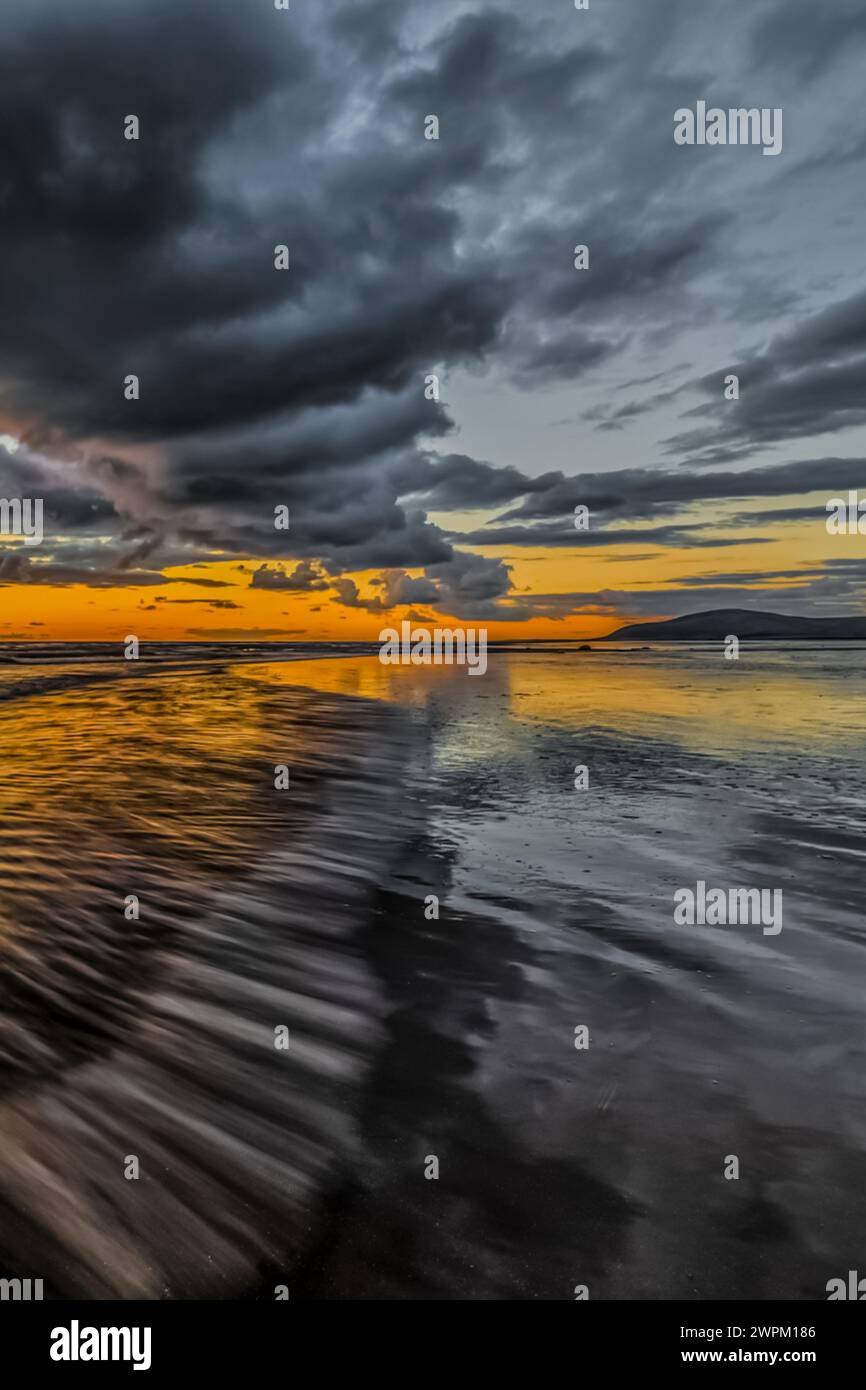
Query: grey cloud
637, 493
805, 38
808, 381
306, 578
306, 388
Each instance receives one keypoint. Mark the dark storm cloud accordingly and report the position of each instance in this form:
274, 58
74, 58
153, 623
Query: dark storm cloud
147, 257
451, 482
466, 585
635, 493
497, 82
215, 603
398, 587
818, 595
773, 516
16, 568
637, 260
66, 508
806, 37
305, 578
305, 389
564, 356
836, 576
542, 535
807, 381
156, 266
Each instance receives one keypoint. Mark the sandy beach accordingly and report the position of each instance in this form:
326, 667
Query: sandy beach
412, 1036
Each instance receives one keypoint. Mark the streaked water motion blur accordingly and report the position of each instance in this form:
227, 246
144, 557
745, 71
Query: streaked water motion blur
413, 1036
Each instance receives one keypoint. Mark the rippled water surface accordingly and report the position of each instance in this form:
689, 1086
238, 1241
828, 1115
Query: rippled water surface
413, 1036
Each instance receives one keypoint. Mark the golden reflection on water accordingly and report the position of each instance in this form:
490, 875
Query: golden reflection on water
176, 766
695, 697
154, 1033
149, 769
156, 1037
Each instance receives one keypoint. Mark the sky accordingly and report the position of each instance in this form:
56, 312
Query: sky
308, 388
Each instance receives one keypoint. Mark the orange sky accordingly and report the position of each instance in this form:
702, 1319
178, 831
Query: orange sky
183, 610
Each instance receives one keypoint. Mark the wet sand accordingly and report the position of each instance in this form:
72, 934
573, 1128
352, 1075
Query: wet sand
606, 1167
452, 1037
155, 1039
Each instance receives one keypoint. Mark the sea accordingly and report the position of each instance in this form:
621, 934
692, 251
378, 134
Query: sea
364, 981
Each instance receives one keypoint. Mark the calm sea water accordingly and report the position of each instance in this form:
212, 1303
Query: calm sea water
413, 1035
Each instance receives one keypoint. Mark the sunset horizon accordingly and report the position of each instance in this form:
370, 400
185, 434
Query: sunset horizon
432, 672
632, 396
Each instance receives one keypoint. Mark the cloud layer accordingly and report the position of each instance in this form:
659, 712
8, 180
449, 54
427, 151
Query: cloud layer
305, 388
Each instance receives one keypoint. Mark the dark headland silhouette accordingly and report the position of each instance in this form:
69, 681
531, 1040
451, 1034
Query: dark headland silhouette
715, 624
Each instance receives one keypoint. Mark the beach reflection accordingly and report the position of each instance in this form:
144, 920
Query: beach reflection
152, 1034
802, 696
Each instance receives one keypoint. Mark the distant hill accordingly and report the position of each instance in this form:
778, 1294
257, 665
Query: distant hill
718, 623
